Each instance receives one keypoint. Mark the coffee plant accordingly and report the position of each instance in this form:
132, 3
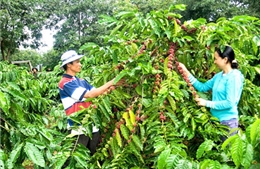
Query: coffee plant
152, 121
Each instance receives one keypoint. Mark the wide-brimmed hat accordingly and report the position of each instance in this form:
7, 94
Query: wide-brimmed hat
69, 56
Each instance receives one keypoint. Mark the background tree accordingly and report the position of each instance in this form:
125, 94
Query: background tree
253, 7
77, 21
150, 5
50, 59
80, 20
80, 23
21, 23
32, 55
213, 9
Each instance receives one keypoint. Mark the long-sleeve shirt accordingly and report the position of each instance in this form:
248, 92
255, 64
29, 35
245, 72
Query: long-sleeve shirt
226, 92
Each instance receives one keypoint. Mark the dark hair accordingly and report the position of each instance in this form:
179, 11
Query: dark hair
230, 54
65, 66
35, 69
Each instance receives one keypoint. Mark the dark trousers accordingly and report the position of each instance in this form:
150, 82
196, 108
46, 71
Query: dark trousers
91, 144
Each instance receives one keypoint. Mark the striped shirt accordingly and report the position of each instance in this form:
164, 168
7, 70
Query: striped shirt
72, 91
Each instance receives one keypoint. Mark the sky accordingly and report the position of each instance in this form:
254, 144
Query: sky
47, 40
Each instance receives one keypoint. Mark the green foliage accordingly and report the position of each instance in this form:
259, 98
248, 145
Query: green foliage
212, 10
205, 147
247, 106
50, 59
150, 122
32, 55
162, 158
243, 147
21, 24
27, 130
79, 24
191, 128
144, 6
211, 164
3, 158
34, 154
14, 155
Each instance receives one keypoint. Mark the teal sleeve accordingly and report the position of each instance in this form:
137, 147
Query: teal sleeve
202, 87
233, 93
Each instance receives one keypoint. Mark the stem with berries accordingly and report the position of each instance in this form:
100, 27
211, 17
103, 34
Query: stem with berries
172, 57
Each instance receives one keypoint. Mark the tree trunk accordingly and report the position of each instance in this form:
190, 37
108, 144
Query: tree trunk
2, 50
